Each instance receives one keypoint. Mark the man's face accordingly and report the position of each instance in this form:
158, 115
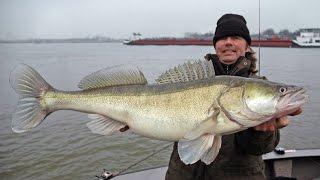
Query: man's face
230, 48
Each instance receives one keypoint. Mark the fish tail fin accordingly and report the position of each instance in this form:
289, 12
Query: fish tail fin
31, 87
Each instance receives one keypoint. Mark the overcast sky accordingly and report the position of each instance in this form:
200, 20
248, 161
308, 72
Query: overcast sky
120, 18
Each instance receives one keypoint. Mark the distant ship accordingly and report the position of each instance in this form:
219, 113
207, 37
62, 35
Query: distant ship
263, 42
309, 38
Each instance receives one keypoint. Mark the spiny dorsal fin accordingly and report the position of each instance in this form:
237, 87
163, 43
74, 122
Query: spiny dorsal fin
187, 72
113, 76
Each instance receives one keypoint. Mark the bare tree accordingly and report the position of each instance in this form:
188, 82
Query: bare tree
284, 33
268, 32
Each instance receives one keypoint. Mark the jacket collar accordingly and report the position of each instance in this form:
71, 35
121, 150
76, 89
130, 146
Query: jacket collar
240, 68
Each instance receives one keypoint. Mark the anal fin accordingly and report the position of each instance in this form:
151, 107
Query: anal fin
104, 125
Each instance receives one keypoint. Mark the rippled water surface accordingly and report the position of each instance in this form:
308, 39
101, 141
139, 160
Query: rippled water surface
62, 147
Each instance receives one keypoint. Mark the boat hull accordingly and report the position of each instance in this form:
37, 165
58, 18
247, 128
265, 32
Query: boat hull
207, 42
302, 45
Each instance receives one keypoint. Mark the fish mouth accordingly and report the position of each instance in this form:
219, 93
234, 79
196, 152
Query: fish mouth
290, 102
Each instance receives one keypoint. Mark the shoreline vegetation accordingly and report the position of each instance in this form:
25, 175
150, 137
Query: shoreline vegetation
67, 40
266, 34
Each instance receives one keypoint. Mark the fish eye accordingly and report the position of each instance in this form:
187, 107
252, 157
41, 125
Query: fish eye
282, 90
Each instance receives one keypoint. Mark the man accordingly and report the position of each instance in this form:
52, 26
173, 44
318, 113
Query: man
240, 153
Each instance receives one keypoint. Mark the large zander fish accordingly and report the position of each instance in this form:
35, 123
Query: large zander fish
188, 104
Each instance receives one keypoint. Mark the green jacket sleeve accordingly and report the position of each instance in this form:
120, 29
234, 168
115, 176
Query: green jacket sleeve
257, 142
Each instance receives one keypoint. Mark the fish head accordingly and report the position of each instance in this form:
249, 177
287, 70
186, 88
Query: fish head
290, 99
273, 99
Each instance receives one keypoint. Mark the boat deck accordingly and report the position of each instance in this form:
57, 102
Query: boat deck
296, 164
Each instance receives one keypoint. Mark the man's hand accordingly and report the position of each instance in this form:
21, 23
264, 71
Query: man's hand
277, 123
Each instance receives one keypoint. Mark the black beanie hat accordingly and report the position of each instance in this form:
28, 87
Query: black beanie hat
231, 25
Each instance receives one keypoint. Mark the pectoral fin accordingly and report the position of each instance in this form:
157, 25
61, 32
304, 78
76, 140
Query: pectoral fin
212, 153
205, 127
105, 125
201, 142
190, 151
205, 148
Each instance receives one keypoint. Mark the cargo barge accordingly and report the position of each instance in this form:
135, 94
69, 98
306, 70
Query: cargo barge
272, 42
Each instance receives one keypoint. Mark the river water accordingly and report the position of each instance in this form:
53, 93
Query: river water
62, 147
